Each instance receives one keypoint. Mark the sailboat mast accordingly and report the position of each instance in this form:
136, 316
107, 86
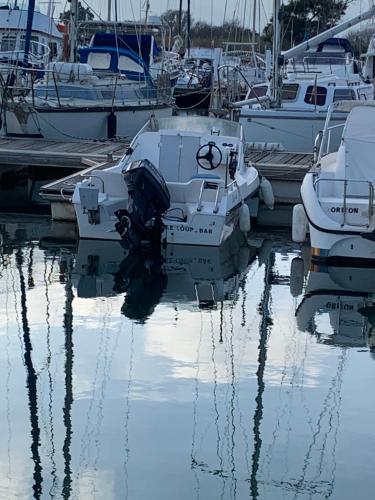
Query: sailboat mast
109, 10
29, 28
73, 29
254, 22
276, 52
188, 27
180, 18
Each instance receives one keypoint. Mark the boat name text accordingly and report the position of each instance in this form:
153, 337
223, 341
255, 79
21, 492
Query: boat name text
189, 229
342, 210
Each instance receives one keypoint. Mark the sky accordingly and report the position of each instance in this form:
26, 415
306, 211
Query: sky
206, 10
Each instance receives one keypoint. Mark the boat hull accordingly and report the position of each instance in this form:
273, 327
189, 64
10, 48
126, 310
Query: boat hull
81, 123
289, 130
331, 240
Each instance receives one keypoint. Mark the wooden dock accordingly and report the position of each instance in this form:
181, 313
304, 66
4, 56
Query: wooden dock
66, 154
284, 170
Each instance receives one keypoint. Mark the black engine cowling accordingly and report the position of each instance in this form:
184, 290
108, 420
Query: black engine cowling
148, 200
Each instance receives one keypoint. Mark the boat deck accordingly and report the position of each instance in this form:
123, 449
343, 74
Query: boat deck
279, 167
66, 154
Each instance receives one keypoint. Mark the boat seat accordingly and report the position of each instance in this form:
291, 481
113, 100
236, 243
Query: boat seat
188, 192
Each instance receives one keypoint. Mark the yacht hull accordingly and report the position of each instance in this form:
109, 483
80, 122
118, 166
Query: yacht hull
292, 130
80, 123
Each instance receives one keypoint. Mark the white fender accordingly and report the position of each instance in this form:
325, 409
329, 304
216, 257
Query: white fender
299, 224
244, 218
297, 269
266, 192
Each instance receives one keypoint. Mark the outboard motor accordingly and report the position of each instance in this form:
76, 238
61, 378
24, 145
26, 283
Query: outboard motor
148, 200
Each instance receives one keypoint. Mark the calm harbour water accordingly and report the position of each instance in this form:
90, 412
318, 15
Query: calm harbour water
193, 375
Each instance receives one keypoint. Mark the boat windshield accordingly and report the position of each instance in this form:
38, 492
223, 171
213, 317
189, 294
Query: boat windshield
323, 58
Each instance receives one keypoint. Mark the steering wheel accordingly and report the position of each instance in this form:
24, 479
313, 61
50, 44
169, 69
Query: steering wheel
208, 156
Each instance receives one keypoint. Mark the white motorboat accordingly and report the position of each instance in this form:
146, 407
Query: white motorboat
183, 179
338, 194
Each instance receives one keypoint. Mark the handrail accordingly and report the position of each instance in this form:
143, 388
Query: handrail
203, 187
370, 196
323, 139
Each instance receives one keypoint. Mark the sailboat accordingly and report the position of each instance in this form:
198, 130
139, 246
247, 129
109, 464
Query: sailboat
73, 101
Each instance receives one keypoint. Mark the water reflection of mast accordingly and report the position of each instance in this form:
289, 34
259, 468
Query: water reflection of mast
68, 400
47, 280
264, 309
31, 383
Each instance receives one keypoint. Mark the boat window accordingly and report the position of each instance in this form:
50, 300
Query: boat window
53, 49
127, 64
316, 95
289, 91
344, 95
99, 60
33, 44
258, 91
8, 43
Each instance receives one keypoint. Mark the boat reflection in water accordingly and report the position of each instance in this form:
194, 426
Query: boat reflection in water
185, 375
192, 276
347, 296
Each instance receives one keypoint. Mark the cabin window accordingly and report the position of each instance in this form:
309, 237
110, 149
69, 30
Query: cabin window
33, 44
316, 95
344, 95
99, 60
53, 49
127, 64
258, 91
289, 91
8, 43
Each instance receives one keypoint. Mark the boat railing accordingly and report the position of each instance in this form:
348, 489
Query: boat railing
52, 88
39, 54
345, 209
209, 184
321, 63
322, 144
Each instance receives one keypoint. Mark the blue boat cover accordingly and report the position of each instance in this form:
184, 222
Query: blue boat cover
342, 43
142, 45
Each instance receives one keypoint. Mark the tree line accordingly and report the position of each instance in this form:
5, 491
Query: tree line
299, 19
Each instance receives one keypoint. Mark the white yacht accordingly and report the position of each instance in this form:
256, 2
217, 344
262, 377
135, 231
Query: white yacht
46, 39
289, 111
46, 43
183, 180
338, 194
313, 81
